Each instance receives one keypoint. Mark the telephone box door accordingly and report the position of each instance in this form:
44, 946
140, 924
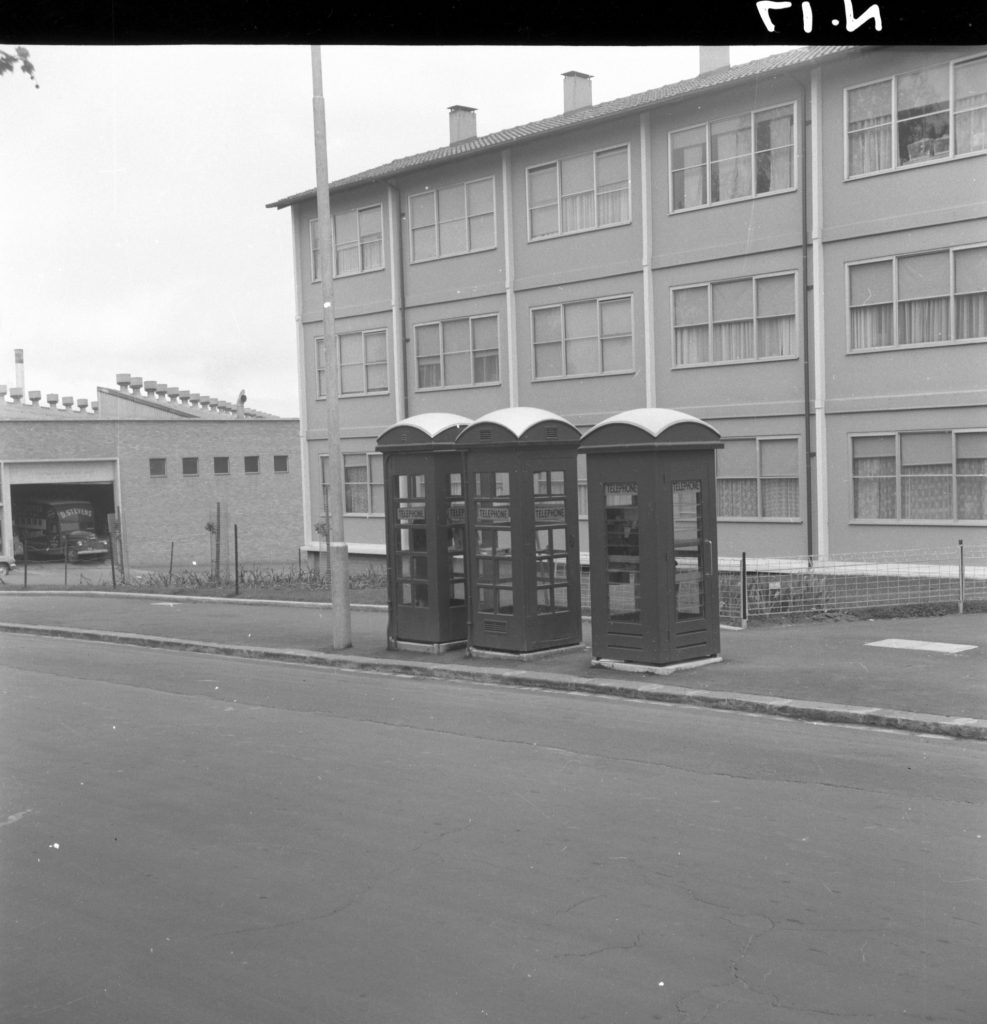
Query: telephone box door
691, 614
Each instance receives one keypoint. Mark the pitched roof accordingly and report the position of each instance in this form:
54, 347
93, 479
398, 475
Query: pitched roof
778, 63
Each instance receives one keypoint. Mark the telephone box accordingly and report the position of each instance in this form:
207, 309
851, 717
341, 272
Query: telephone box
523, 535
651, 479
426, 533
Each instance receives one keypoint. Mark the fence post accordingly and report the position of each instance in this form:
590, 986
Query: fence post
962, 579
743, 590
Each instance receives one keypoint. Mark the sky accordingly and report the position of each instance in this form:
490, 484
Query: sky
134, 183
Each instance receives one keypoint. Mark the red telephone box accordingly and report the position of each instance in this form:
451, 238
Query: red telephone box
426, 533
523, 533
651, 481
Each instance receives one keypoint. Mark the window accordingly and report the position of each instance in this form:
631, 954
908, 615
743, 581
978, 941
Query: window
919, 299
458, 353
190, 467
453, 220
280, 463
221, 465
911, 119
358, 241
315, 264
579, 193
363, 483
251, 463
746, 319
362, 362
758, 478
157, 466
320, 367
733, 158
920, 475
582, 338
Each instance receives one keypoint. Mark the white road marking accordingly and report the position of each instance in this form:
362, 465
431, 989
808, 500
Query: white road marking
924, 645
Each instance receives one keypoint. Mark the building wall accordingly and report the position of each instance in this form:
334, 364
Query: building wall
752, 402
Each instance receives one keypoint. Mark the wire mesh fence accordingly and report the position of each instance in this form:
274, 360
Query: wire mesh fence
937, 579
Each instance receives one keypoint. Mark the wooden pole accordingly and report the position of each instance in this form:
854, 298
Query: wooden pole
338, 551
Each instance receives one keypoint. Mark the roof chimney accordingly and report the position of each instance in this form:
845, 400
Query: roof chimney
35, 397
577, 90
68, 401
52, 400
19, 367
16, 395
712, 58
462, 124
123, 381
83, 404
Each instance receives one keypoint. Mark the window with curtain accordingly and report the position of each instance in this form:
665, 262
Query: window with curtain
929, 114
919, 299
733, 158
758, 478
585, 338
363, 483
453, 220
458, 353
739, 320
358, 240
937, 475
579, 193
362, 362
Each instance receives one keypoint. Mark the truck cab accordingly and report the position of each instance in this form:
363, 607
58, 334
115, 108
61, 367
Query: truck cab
59, 529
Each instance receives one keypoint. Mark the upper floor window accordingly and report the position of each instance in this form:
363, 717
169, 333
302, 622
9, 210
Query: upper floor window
221, 465
251, 463
362, 362
157, 467
918, 299
735, 321
320, 367
922, 475
358, 240
453, 220
190, 466
733, 158
458, 353
758, 478
280, 463
315, 261
579, 193
582, 338
923, 115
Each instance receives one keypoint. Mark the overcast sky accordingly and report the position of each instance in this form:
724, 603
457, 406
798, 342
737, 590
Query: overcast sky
133, 187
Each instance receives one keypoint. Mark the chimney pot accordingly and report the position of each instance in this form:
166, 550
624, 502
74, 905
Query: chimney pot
150, 386
67, 401
95, 407
83, 404
173, 394
577, 90
183, 396
712, 58
52, 399
17, 394
35, 397
135, 384
462, 124
123, 381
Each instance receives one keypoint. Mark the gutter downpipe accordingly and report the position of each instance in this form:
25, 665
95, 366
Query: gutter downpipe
647, 251
297, 229
807, 335
819, 325
512, 367
400, 344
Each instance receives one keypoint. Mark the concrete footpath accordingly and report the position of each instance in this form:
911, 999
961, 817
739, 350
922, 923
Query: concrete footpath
925, 675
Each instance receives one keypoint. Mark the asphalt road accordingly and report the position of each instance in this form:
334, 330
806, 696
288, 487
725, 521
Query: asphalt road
190, 839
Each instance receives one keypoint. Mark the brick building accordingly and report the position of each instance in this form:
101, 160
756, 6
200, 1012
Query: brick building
166, 464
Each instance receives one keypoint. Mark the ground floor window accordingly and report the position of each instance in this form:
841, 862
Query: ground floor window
758, 478
363, 483
920, 475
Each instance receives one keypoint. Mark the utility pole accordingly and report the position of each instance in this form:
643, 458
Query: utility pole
339, 572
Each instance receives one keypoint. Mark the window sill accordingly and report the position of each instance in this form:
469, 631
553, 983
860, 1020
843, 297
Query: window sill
452, 255
915, 347
359, 273
583, 376
759, 519
363, 394
918, 522
579, 231
736, 362
930, 161
458, 387
733, 202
